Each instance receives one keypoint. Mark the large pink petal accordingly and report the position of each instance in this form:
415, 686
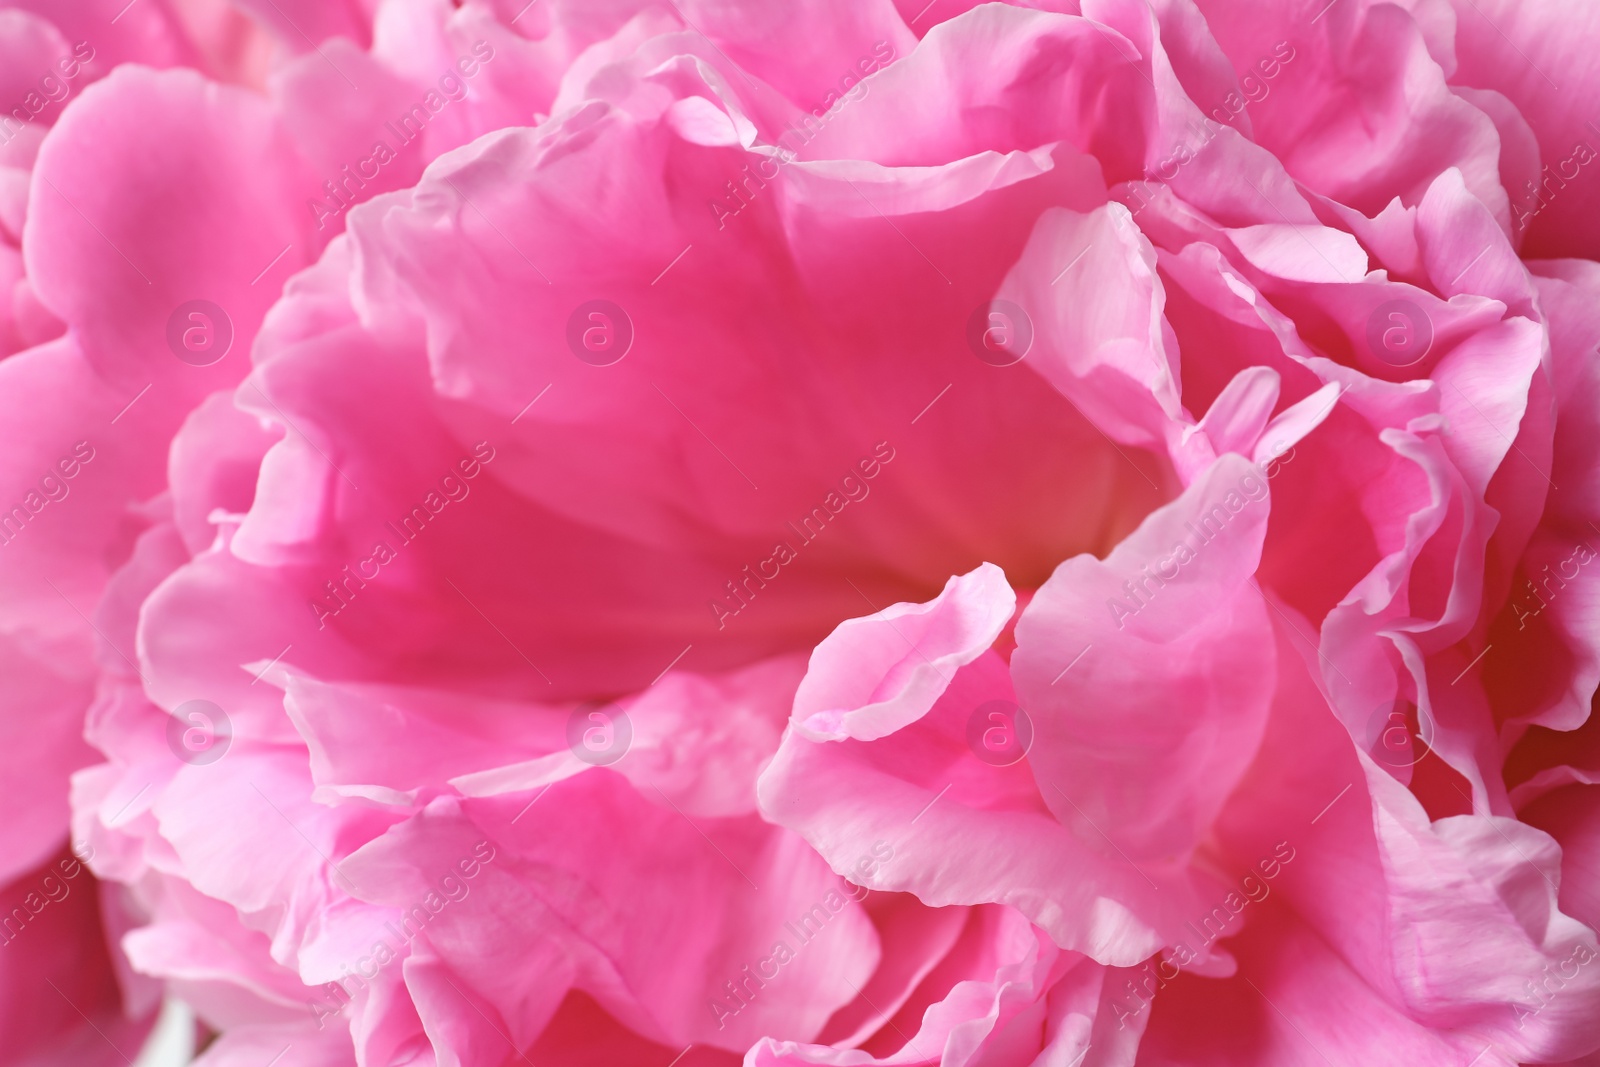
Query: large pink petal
117, 260
663, 962
1537, 55
959, 830
1153, 728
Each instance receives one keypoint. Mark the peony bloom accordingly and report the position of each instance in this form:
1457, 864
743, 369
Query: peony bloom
73, 468
719, 531
68, 995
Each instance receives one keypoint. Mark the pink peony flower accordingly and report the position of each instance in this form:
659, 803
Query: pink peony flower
710, 531
68, 997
